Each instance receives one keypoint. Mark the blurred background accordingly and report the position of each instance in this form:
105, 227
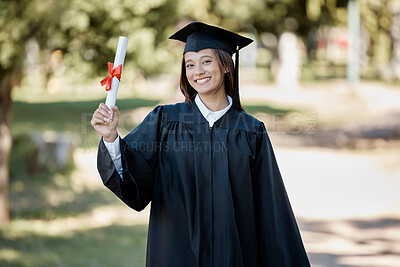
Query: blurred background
323, 75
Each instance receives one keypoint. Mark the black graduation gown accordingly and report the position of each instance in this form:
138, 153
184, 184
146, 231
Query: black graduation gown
217, 195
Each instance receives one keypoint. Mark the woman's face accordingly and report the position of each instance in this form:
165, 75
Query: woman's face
204, 71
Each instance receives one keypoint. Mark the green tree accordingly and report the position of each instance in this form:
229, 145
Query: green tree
86, 32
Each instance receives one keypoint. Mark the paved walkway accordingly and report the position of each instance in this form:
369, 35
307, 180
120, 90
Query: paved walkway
347, 204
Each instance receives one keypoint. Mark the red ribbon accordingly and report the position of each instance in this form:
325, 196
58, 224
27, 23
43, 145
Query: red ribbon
113, 73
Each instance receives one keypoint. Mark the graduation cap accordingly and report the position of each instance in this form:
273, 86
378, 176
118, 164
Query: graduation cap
198, 36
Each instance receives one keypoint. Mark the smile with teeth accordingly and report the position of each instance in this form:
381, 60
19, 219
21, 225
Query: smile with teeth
202, 81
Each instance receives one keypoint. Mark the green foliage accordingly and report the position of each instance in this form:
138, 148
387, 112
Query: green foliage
91, 29
86, 32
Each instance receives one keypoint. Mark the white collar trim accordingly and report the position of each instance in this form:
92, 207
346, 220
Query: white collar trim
209, 115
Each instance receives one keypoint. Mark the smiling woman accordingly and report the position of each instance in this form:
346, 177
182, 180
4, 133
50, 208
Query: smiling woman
207, 167
204, 73
198, 68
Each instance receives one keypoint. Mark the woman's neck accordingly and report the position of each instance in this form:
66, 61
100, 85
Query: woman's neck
216, 101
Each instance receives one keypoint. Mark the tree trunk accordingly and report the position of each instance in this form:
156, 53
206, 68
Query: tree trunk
5, 146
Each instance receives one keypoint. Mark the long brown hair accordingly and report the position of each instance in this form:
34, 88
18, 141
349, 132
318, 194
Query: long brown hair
226, 62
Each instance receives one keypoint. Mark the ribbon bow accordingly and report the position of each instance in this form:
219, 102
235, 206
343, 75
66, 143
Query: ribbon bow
113, 73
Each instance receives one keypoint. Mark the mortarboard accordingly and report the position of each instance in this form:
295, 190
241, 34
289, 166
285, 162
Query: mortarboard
198, 36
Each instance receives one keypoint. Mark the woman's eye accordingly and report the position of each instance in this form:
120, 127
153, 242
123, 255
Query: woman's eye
206, 61
189, 66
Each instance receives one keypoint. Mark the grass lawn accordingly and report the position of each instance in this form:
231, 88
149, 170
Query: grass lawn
68, 117
25, 243
70, 219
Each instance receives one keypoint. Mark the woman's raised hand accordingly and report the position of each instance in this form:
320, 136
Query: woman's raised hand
105, 122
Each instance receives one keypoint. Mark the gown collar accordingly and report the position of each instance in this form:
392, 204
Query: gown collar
233, 119
209, 115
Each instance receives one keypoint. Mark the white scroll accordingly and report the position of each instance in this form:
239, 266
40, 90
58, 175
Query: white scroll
119, 60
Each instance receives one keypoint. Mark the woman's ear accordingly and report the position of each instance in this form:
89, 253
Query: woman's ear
226, 70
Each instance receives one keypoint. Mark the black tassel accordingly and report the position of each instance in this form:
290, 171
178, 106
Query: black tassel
236, 98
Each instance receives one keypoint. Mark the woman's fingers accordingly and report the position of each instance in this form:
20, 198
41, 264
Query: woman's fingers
115, 110
98, 115
105, 108
96, 121
103, 116
104, 113
106, 119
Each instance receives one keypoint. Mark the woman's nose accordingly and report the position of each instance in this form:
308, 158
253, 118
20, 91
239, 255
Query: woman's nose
199, 69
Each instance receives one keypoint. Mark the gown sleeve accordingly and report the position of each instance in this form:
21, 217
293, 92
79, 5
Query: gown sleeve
279, 242
139, 155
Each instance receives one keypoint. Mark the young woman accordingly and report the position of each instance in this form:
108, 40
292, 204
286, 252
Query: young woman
206, 165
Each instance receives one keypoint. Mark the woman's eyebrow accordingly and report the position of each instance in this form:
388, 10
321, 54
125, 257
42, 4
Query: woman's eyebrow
201, 57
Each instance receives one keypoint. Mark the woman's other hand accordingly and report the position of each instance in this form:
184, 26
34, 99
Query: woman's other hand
105, 122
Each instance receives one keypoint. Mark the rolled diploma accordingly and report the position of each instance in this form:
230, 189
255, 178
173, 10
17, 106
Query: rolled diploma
118, 60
